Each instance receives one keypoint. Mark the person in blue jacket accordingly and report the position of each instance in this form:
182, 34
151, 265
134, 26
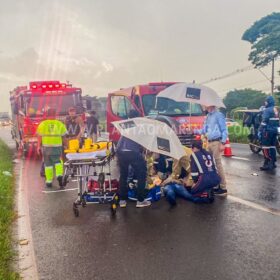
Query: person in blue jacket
130, 155
268, 134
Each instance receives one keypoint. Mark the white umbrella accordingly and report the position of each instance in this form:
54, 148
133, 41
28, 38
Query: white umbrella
153, 135
194, 93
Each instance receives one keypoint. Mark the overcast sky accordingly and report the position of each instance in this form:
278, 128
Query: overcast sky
102, 45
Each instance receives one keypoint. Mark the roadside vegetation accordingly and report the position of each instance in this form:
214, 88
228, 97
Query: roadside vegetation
7, 214
238, 134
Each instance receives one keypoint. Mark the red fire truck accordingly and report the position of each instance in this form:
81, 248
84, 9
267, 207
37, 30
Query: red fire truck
182, 116
29, 106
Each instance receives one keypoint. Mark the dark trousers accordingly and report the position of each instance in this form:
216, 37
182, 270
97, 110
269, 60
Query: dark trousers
268, 141
137, 162
206, 182
172, 190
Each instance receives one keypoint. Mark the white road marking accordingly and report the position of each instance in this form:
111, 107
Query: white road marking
254, 205
241, 158
65, 190
27, 261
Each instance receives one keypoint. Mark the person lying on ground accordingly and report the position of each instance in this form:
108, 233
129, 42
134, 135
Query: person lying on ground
175, 184
199, 181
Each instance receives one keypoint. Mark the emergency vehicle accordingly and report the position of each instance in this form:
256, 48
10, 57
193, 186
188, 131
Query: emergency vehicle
29, 105
181, 116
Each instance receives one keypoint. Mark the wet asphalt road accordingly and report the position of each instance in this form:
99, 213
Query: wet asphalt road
225, 240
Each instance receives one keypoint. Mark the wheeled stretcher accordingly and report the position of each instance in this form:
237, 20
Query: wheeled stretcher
92, 170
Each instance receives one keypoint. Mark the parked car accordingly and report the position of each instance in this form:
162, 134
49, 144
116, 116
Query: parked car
231, 122
4, 119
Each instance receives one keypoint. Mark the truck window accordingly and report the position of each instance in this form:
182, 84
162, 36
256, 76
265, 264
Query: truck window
149, 102
120, 106
37, 105
169, 107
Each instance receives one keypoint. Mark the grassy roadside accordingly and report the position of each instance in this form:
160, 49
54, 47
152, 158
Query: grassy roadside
238, 134
6, 213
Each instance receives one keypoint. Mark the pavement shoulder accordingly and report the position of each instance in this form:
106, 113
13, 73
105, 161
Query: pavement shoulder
26, 263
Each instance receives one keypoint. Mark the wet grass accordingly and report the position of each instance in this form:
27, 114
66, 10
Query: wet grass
238, 134
7, 214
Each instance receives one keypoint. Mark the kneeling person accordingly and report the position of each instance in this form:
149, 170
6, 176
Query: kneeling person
203, 171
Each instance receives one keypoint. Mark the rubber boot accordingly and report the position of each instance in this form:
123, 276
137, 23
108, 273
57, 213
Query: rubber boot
49, 176
60, 182
271, 165
265, 165
59, 174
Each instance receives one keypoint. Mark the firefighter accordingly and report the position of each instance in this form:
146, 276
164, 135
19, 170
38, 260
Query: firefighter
268, 134
51, 134
74, 124
92, 128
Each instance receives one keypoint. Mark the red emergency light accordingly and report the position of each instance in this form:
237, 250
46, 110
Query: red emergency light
48, 85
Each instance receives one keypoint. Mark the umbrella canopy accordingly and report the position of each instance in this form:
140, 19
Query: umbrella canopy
153, 135
183, 92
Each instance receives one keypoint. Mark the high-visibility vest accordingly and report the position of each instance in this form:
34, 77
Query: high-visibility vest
51, 132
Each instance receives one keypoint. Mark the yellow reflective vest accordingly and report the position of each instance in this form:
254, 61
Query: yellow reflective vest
51, 132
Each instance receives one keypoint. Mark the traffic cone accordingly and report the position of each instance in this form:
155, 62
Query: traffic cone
228, 151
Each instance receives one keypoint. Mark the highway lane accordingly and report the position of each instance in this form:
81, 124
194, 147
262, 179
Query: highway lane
225, 240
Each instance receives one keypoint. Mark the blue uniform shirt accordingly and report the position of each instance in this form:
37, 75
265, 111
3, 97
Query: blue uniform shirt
203, 171
126, 144
269, 118
214, 127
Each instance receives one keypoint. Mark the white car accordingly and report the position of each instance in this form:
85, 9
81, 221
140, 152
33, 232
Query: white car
231, 122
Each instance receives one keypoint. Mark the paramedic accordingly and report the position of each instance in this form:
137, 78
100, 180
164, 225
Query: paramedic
203, 171
74, 124
92, 126
51, 134
129, 153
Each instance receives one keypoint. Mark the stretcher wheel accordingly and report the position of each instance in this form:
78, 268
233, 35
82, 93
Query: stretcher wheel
84, 203
64, 180
114, 209
75, 210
